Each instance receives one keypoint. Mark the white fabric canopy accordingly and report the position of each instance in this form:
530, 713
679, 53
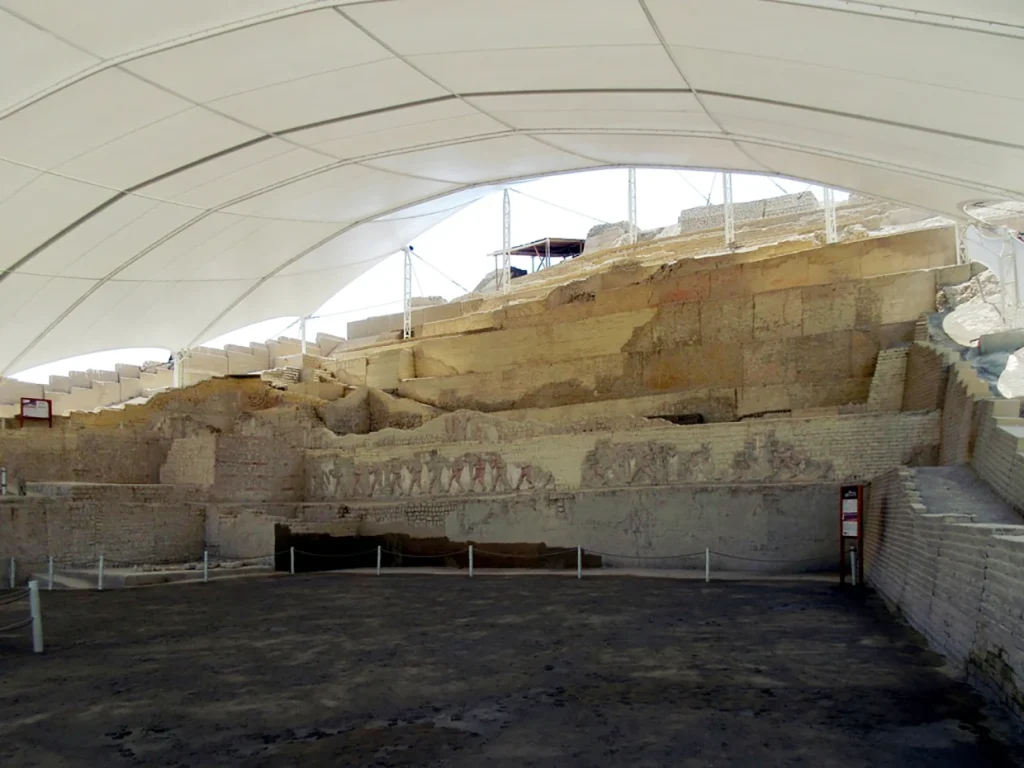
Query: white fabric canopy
174, 169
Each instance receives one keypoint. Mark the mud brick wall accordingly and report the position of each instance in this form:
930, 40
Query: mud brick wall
98, 456
958, 583
889, 381
78, 528
997, 456
191, 461
927, 377
799, 450
258, 468
962, 413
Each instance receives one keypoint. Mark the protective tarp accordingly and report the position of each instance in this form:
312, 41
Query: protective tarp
173, 169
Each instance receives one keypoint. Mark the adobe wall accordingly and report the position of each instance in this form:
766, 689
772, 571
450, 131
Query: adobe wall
135, 523
38, 453
959, 583
434, 460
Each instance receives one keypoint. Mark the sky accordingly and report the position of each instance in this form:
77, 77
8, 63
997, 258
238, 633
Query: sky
452, 257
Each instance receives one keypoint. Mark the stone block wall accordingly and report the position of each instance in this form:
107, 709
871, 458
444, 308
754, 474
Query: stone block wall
997, 456
963, 413
959, 583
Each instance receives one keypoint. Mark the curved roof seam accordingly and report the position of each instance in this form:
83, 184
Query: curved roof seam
869, 6
167, 45
422, 73
667, 49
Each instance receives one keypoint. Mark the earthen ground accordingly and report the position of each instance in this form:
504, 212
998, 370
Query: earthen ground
321, 669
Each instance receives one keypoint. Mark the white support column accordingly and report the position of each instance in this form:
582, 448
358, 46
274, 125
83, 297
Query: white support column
831, 236
37, 616
99, 576
632, 235
547, 253
579, 562
206, 566
730, 222
506, 243
378, 559
471, 561
179, 366
407, 295
302, 334
49, 573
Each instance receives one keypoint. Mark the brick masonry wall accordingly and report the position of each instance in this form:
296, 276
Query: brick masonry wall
889, 380
958, 583
962, 414
997, 455
190, 461
801, 450
79, 530
927, 377
85, 455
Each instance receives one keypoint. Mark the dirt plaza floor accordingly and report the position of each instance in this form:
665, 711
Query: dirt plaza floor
431, 670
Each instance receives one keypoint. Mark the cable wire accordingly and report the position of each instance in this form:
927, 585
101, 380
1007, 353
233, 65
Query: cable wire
765, 559
562, 207
442, 274
644, 557
20, 595
423, 557
16, 625
477, 551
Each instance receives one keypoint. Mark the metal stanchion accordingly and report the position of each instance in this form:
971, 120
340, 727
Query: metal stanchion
99, 576
37, 616
12, 573
707, 565
378, 559
49, 574
579, 562
471, 561
206, 566
291, 552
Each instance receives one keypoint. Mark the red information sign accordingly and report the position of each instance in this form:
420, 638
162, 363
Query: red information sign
36, 408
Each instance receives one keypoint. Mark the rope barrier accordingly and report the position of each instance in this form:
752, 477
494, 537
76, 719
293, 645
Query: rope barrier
478, 551
766, 560
19, 595
644, 557
445, 554
16, 625
349, 554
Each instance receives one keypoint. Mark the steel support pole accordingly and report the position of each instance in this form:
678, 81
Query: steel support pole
506, 243
407, 294
579, 562
37, 616
707, 565
547, 252
206, 566
831, 235
291, 555
13, 573
3, 481
99, 576
632, 236
378, 559
729, 214
302, 334
471, 561
49, 574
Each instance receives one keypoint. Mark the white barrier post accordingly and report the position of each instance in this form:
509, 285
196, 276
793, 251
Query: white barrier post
49, 574
378, 559
206, 566
291, 554
579, 562
471, 561
99, 577
853, 566
37, 616
707, 565
12, 572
